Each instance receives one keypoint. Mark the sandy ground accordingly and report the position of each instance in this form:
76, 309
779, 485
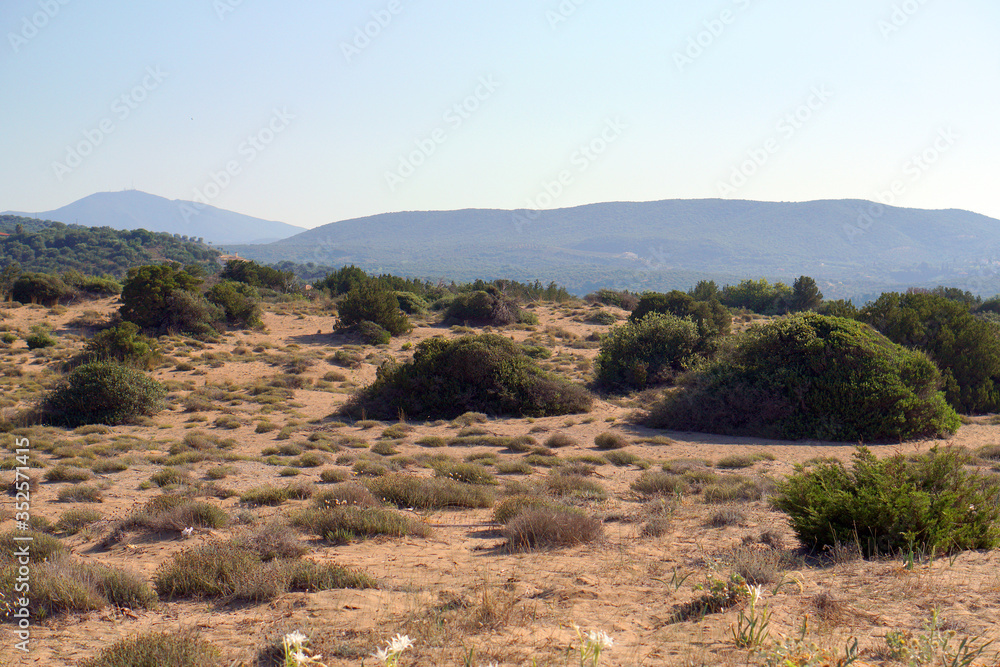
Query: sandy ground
458, 588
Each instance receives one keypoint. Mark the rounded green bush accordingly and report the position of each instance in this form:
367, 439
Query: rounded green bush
103, 392
39, 340
486, 307
446, 378
646, 352
370, 301
812, 376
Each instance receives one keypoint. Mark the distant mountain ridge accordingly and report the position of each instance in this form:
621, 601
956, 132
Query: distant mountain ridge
850, 245
133, 209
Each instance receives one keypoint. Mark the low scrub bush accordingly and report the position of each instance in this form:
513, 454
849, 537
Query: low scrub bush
486, 373
929, 503
489, 307
811, 376
343, 523
660, 483
646, 352
429, 493
103, 392
157, 649
549, 528
370, 301
610, 440
467, 473
511, 506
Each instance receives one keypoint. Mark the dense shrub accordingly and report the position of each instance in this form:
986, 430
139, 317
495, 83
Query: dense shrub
623, 299
489, 307
758, 296
124, 343
965, 348
103, 392
39, 339
410, 303
486, 373
343, 280
646, 352
929, 503
711, 317
191, 313
41, 288
373, 334
811, 376
240, 302
370, 301
255, 275
147, 291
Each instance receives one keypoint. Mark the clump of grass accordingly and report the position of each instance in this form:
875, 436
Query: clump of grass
41, 546
158, 649
549, 528
514, 468
733, 488
727, 516
467, 473
169, 477
171, 512
64, 473
573, 485
266, 495
469, 418
429, 493
432, 441
348, 493
622, 459
384, 448
105, 466
560, 439
610, 440
755, 564
660, 483
508, 508
74, 520
736, 461
80, 493
344, 523
333, 475
368, 468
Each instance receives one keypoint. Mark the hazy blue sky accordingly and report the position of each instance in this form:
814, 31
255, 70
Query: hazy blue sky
753, 99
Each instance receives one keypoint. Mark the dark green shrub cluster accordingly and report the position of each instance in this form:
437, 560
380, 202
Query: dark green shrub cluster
929, 503
411, 304
103, 392
255, 275
623, 299
369, 301
124, 343
148, 293
758, 296
711, 317
965, 348
239, 302
812, 376
486, 307
43, 288
39, 339
486, 373
646, 352
373, 334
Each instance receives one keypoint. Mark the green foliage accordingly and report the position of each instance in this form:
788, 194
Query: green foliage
103, 392
623, 299
124, 343
805, 295
486, 373
646, 352
485, 307
929, 503
965, 348
838, 308
370, 301
40, 339
41, 288
53, 247
410, 303
343, 280
372, 333
255, 275
239, 301
711, 317
705, 290
758, 296
811, 376
150, 292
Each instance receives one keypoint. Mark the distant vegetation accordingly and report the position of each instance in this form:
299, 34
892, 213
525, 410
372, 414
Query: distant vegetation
52, 247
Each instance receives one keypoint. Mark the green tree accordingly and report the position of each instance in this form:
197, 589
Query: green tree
240, 303
711, 317
705, 290
40, 288
646, 352
965, 348
343, 280
147, 291
758, 296
805, 295
8, 277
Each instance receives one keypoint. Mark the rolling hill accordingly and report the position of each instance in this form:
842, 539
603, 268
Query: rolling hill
852, 247
132, 209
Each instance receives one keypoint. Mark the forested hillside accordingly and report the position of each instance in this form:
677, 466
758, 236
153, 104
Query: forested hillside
49, 246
